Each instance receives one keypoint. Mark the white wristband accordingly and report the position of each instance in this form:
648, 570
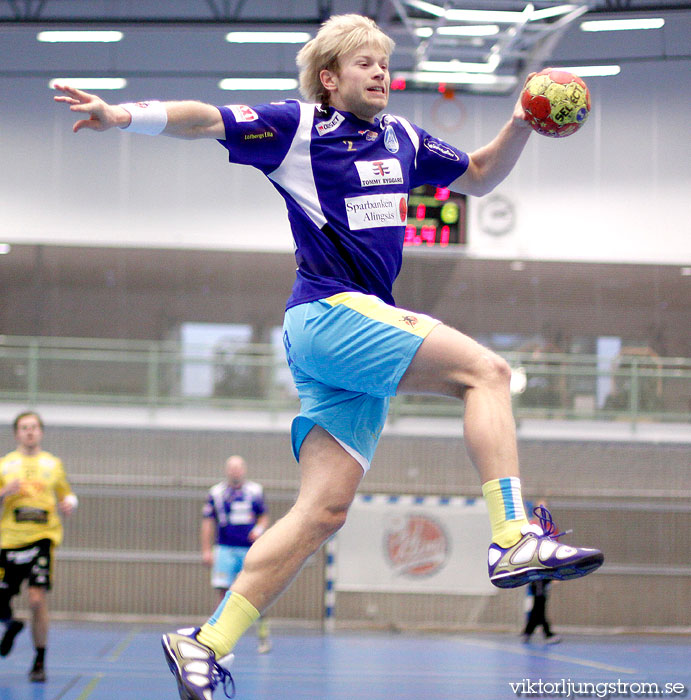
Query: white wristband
71, 499
146, 117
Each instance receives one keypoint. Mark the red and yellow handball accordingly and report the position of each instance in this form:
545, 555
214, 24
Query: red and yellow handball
556, 102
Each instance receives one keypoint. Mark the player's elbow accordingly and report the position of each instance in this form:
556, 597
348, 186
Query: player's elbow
482, 187
474, 182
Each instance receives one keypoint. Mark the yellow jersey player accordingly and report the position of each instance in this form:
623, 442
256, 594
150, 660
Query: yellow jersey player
33, 488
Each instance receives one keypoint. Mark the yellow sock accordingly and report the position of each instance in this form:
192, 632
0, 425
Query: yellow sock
506, 513
233, 617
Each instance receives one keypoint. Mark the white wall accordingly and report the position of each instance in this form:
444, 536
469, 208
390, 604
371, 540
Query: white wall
616, 191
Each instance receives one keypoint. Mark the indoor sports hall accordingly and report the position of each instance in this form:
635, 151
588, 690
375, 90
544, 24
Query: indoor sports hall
143, 282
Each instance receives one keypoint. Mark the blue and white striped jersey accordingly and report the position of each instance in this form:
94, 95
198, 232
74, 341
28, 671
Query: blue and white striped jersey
345, 182
235, 511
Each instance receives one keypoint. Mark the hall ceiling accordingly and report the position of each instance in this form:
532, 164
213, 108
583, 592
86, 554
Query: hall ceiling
525, 40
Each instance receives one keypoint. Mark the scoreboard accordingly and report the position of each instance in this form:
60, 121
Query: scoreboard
436, 218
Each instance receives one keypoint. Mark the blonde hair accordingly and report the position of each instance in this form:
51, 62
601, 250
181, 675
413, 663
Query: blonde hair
338, 36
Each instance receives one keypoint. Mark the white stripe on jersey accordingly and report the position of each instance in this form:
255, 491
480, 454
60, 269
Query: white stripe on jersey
295, 174
412, 134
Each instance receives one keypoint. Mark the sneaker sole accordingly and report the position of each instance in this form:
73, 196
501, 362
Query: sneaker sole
515, 579
175, 669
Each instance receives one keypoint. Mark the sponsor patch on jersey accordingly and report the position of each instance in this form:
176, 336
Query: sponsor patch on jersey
258, 135
379, 172
26, 514
376, 210
440, 149
243, 113
330, 125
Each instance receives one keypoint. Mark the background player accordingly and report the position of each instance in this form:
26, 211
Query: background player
538, 591
33, 487
349, 347
234, 516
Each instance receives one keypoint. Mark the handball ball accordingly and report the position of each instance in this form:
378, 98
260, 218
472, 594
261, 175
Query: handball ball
556, 102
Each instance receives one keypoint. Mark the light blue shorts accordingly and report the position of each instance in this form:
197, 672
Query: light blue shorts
347, 354
228, 563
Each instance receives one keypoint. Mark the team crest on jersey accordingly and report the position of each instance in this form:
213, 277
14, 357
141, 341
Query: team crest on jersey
379, 172
330, 125
243, 113
440, 149
390, 140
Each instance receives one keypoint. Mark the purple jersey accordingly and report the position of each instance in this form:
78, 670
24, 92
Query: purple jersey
345, 182
235, 511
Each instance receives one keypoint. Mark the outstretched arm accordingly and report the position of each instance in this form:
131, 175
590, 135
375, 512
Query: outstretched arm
490, 164
185, 120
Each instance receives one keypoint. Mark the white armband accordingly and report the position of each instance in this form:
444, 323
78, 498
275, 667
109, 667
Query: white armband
146, 117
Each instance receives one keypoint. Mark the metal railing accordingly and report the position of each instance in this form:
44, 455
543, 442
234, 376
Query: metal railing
36, 370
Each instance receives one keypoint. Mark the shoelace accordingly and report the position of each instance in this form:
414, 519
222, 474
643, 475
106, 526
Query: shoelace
547, 524
219, 674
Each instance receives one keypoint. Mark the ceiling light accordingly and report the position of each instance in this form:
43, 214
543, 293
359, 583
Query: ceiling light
485, 16
470, 30
268, 37
547, 12
455, 66
90, 83
613, 25
591, 71
506, 81
504, 16
258, 84
427, 7
80, 36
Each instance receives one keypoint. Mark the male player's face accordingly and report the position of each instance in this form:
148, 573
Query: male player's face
236, 471
361, 85
29, 433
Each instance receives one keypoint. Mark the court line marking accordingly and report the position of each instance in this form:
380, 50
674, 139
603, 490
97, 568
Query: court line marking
68, 687
549, 655
90, 687
117, 652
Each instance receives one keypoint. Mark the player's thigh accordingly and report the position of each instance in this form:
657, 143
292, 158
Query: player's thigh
329, 475
448, 361
40, 576
37, 597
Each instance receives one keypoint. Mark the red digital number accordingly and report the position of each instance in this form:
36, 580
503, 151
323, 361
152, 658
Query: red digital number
429, 234
444, 236
420, 211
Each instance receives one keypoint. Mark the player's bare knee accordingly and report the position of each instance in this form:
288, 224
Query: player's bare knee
327, 520
36, 599
490, 370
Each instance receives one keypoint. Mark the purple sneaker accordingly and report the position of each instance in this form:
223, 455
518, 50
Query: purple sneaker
195, 667
537, 555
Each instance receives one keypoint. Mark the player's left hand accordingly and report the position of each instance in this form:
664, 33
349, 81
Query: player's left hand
519, 117
66, 506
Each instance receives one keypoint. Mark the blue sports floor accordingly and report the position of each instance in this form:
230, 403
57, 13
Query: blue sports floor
124, 662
